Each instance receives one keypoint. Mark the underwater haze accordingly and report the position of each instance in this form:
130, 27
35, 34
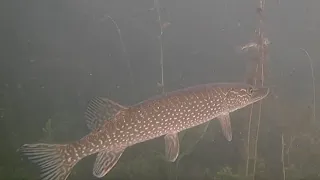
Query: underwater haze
58, 56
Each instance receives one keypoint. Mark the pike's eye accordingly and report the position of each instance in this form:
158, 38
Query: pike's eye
250, 90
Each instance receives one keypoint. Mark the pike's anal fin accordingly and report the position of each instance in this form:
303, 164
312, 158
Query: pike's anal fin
226, 126
99, 110
171, 146
105, 161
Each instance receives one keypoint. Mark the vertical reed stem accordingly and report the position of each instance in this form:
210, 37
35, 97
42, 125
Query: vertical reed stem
157, 8
313, 83
260, 45
123, 47
282, 157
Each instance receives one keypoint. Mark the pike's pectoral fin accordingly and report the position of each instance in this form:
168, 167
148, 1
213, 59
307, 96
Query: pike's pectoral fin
226, 126
171, 146
99, 110
105, 161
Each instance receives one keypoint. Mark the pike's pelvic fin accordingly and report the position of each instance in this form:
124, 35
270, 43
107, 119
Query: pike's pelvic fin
171, 146
226, 125
105, 161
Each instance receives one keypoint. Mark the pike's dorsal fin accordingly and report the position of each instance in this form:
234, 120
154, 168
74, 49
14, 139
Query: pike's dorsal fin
105, 161
99, 110
171, 146
226, 125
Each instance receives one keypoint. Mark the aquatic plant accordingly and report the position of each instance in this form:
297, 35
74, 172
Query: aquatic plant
48, 131
226, 173
156, 7
258, 77
282, 156
313, 83
300, 145
123, 48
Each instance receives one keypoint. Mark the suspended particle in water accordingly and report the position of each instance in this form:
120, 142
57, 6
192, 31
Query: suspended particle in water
165, 25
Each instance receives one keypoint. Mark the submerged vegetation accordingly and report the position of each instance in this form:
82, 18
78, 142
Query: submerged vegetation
279, 140
260, 45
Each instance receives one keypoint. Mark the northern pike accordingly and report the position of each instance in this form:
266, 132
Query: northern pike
115, 127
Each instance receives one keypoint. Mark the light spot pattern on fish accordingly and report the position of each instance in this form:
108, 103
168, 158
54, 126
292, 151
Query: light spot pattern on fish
163, 115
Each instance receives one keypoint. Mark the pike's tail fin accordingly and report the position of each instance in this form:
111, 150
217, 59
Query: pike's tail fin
55, 160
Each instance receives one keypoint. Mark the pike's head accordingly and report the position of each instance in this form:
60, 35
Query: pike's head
240, 95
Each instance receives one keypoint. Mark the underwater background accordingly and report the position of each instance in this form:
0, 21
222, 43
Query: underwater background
57, 55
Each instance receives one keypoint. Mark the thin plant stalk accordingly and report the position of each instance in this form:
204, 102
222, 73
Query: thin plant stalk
282, 157
257, 139
119, 33
249, 129
248, 140
123, 47
261, 46
292, 139
157, 8
262, 53
313, 83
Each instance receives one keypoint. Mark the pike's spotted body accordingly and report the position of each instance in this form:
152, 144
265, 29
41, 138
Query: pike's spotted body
115, 127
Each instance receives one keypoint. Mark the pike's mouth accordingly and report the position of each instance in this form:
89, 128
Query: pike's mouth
260, 93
